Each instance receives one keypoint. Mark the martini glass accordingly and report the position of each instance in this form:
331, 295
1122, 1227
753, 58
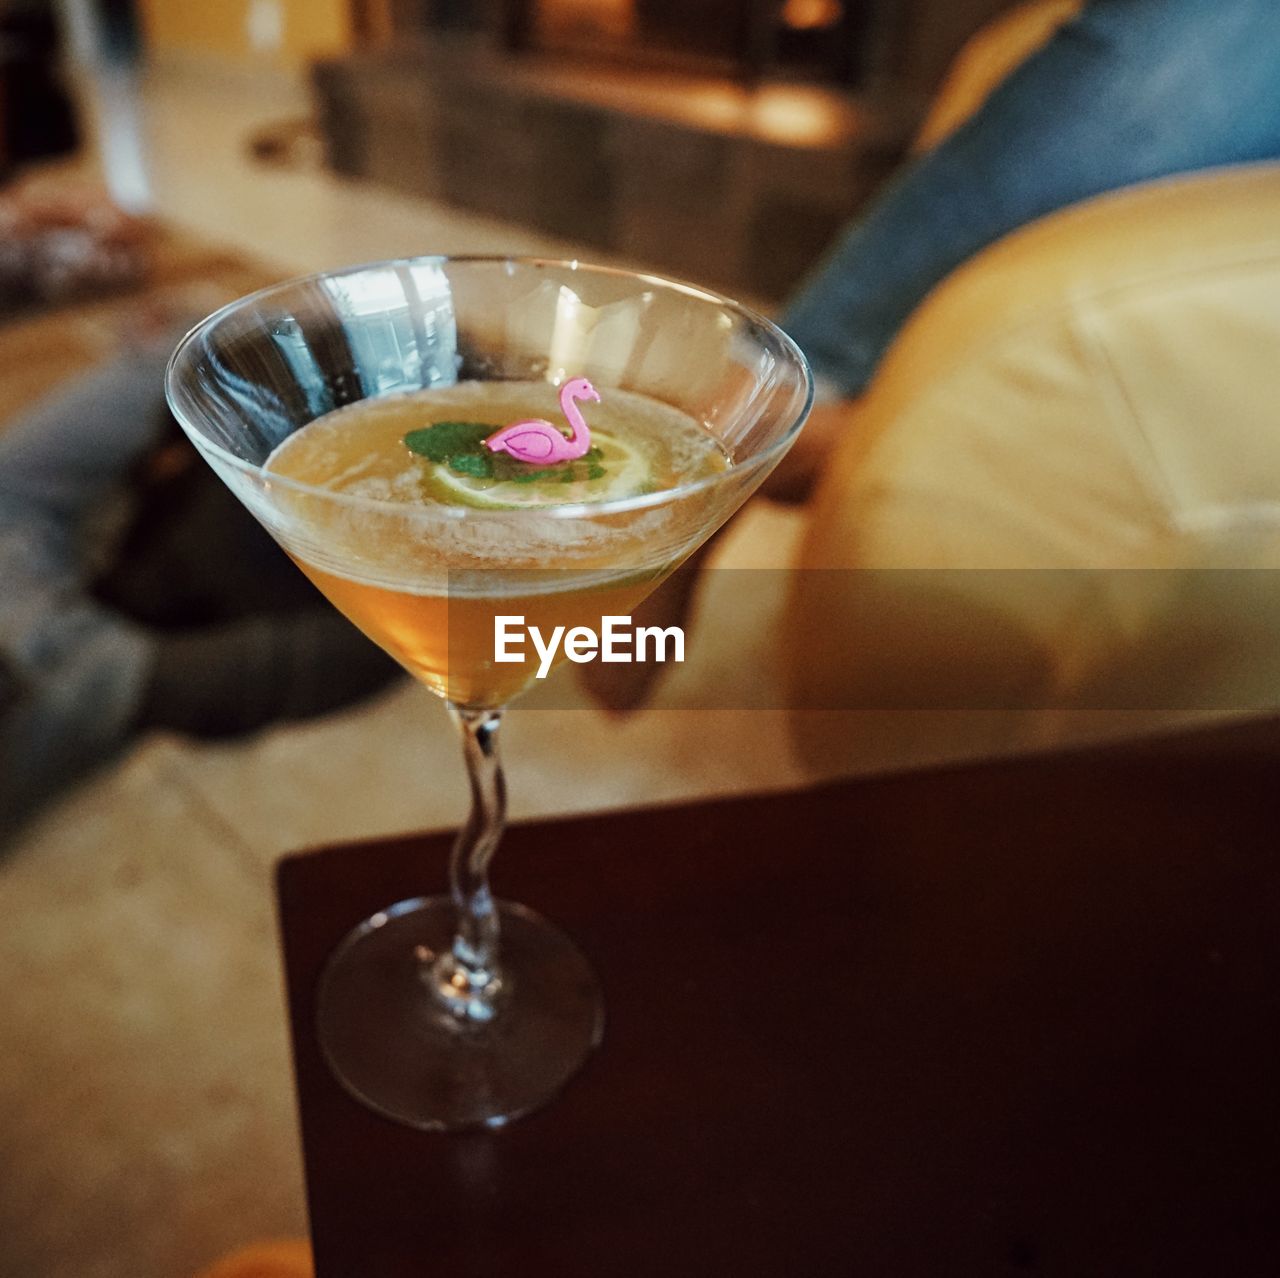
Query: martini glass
458, 1010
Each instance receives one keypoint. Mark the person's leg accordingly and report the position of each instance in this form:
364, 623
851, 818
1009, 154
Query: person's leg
72, 673
78, 443
1131, 91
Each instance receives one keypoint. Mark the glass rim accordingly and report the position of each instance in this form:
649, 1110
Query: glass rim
174, 394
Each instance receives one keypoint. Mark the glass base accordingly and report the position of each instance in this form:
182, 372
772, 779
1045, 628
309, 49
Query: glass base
394, 1044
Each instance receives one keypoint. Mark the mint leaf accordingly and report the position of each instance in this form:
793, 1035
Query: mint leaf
446, 440
477, 465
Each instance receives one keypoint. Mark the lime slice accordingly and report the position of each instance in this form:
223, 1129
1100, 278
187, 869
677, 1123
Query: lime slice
612, 470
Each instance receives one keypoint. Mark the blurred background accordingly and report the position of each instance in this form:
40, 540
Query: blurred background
727, 139
160, 158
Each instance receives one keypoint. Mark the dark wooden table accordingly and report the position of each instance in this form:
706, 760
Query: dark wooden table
996, 1019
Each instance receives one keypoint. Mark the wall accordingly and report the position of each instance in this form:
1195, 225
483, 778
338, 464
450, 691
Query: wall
287, 33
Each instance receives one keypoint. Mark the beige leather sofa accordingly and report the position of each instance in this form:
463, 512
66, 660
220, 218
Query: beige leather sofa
1058, 514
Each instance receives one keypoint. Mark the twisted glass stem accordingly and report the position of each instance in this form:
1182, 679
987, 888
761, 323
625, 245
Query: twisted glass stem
468, 978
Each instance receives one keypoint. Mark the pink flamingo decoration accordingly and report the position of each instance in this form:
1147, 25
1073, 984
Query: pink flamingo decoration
538, 442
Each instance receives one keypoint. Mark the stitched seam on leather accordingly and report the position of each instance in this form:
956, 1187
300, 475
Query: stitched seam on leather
1124, 415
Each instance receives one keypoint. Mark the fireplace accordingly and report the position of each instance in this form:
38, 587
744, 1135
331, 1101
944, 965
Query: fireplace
817, 41
721, 140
